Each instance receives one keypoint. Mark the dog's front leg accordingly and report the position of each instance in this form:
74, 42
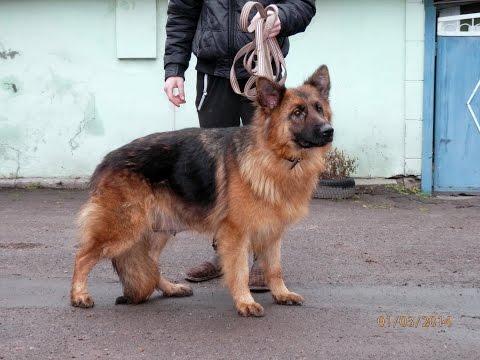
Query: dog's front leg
271, 260
233, 249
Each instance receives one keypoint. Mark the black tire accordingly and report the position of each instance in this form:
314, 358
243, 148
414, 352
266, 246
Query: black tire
335, 189
339, 183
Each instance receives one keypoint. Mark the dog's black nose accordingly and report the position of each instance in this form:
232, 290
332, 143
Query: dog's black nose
324, 131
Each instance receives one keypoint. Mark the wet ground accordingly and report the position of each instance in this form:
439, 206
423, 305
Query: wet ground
385, 275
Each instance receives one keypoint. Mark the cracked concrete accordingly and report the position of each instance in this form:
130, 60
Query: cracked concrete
72, 142
16, 159
89, 124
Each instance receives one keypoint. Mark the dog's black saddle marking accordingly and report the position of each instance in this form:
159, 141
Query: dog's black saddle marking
184, 161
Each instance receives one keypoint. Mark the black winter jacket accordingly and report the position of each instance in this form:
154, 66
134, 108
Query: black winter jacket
210, 30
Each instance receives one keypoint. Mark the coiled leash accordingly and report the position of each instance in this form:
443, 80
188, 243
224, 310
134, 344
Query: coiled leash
259, 54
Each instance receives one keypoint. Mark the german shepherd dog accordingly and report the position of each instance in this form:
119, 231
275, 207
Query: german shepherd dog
243, 186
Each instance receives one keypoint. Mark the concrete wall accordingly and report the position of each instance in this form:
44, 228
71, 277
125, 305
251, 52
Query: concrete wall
66, 99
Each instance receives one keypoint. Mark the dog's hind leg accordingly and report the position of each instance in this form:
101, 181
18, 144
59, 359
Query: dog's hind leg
170, 289
139, 273
95, 245
106, 232
85, 260
157, 243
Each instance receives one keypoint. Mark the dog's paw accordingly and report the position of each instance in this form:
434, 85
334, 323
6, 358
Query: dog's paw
123, 300
250, 309
82, 301
179, 290
289, 298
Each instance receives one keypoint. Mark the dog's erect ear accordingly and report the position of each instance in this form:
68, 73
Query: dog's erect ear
269, 93
321, 80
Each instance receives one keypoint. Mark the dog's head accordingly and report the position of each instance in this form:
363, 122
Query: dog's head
298, 118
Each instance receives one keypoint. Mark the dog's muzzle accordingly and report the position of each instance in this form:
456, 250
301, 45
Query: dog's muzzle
320, 135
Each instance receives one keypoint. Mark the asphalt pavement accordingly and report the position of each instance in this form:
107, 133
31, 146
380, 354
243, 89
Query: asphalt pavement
384, 276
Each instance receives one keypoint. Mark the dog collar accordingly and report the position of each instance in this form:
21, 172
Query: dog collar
294, 162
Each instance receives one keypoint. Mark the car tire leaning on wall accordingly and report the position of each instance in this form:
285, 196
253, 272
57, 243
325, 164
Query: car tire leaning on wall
335, 188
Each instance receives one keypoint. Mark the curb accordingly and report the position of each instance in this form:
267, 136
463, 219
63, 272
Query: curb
81, 183
77, 183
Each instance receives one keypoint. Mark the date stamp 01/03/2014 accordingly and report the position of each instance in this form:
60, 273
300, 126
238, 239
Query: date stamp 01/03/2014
417, 321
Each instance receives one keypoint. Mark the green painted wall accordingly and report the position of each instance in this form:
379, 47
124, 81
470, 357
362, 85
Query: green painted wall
66, 99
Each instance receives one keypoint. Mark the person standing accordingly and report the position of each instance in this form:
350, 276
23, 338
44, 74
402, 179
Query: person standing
210, 30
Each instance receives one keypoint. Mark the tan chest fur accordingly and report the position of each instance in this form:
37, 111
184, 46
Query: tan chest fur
266, 193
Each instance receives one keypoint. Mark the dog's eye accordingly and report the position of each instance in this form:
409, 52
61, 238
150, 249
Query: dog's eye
319, 108
298, 112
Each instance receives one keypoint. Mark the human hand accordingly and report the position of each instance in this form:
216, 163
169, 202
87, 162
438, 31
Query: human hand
276, 28
172, 83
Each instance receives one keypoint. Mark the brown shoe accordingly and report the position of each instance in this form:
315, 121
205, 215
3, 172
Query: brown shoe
257, 282
207, 270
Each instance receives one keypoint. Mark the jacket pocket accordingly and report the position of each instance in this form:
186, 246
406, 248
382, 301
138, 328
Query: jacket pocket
202, 45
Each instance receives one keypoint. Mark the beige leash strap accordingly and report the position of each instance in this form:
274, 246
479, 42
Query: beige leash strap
259, 54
